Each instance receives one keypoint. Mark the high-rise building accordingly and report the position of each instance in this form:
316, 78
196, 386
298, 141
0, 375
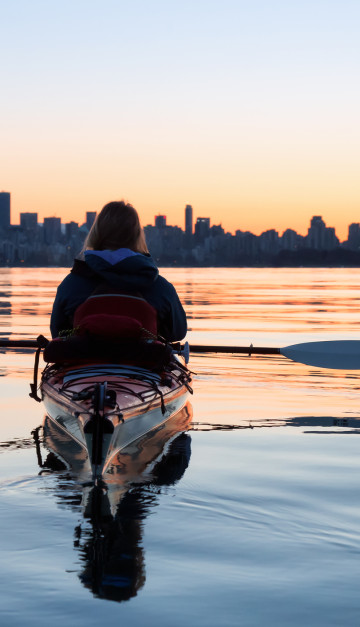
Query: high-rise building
353, 241
202, 228
4, 210
316, 233
90, 219
320, 236
188, 220
160, 221
71, 230
28, 221
269, 241
52, 230
290, 240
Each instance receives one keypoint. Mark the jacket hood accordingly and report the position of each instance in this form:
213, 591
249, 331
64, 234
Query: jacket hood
123, 268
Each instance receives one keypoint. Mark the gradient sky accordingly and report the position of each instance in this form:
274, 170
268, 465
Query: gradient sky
249, 111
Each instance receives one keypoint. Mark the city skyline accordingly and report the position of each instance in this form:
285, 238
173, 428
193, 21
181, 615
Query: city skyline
159, 219
342, 230
248, 110
199, 243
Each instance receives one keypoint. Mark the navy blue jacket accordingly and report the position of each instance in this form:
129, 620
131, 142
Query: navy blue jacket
124, 270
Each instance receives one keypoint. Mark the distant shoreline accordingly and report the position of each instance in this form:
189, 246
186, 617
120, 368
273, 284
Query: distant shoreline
213, 265
299, 258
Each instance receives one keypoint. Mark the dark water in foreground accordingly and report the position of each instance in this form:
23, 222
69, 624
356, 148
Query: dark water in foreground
249, 516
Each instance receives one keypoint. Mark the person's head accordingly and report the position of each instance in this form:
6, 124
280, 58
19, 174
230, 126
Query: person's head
117, 226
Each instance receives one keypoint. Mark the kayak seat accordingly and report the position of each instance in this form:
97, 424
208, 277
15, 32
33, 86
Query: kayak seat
115, 316
109, 326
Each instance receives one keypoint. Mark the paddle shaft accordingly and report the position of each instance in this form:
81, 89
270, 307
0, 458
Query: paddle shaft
18, 344
336, 354
246, 350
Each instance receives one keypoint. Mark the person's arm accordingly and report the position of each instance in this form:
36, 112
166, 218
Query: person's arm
177, 317
70, 294
172, 323
59, 320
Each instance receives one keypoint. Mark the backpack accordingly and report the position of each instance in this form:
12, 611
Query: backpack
115, 315
112, 326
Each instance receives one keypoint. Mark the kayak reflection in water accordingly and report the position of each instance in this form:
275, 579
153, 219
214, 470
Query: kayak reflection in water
110, 542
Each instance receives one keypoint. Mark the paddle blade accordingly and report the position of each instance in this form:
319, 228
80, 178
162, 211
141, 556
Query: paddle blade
339, 354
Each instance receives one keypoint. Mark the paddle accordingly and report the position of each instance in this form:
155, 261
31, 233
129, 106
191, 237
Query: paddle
339, 354
18, 343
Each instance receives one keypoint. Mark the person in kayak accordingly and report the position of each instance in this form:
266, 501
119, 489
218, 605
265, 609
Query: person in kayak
115, 253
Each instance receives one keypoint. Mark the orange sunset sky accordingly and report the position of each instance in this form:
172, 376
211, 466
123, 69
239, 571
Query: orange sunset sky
247, 111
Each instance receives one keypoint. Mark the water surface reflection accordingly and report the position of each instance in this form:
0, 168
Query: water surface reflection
268, 508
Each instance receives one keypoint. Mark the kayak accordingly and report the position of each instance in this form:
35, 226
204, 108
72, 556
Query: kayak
104, 407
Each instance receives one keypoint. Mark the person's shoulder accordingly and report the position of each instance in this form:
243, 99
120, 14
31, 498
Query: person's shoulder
82, 269
66, 280
162, 283
67, 285
77, 276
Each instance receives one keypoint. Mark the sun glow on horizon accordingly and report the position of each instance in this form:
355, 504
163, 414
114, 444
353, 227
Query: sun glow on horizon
255, 127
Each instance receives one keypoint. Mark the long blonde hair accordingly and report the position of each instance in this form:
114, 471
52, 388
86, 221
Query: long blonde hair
117, 226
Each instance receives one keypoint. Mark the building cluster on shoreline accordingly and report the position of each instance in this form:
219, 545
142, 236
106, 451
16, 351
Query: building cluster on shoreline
31, 243
52, 243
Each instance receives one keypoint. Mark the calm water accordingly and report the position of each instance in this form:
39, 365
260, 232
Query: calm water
250, 517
